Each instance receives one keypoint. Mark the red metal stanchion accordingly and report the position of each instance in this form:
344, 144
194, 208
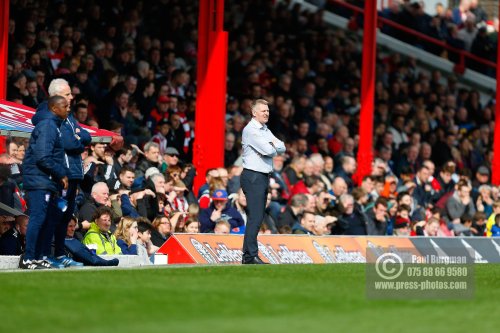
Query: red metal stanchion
211, 90
4, 46
495, 179
365, 149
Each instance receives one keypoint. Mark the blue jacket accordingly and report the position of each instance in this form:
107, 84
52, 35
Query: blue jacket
82, 254
45, 162
73, 144
228, 213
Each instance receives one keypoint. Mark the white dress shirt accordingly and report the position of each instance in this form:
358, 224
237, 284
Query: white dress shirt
259, 147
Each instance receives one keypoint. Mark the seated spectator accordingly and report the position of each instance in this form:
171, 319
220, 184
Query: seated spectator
459, 204
429, 228
150, 159
290, 215
484, 202
322, 223
306, 224
222, 227
479, 224
192, 226
6, 223
99, 234
126, 235
133, 204
99, 197
352, 221
377, 218
145, 247
464, 227
219, 209
161, 230
80, 253
180, 202
495, 229
13, 241
402, 228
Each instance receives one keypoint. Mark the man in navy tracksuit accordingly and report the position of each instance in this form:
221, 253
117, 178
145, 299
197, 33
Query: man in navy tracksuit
44, 175
74, 140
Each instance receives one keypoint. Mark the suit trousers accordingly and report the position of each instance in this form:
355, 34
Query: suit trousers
255, 186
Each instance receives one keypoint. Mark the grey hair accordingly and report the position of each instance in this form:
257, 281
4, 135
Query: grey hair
299, 200
156, 176
56, 86
150, 145
97, 186
344, 198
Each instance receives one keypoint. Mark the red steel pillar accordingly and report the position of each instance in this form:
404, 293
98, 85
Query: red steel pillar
365, 149
211, 89
495, 179
4, 44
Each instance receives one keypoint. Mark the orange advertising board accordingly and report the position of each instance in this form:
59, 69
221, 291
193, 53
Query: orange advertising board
274, 249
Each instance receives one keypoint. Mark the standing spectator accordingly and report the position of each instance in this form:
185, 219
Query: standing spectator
45, 170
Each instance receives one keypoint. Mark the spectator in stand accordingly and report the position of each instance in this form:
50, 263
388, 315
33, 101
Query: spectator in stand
126, 235
291, 214
99, 233
219, 209
376, 218
306, 225
479, 224
351, 221
75, 249
222, 227
99, 196
346, 170
150, 159
192, 226
161, 136
13, 240
162, 230
145, 248
459, 204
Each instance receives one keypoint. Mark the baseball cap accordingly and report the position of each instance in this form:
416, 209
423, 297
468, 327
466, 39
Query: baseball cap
219, 195
151, 171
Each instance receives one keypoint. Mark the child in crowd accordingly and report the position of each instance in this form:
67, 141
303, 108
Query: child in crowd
144, 246
495, 229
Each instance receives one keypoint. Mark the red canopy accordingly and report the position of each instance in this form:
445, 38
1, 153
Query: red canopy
15, 120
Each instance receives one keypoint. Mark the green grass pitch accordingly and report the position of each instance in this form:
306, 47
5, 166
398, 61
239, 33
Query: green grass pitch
270, 298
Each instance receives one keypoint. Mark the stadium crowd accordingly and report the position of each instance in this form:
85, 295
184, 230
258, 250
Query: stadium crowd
464, 27
130, 66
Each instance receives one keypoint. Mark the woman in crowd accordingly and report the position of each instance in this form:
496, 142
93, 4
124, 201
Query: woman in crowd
126, 235
162, 230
